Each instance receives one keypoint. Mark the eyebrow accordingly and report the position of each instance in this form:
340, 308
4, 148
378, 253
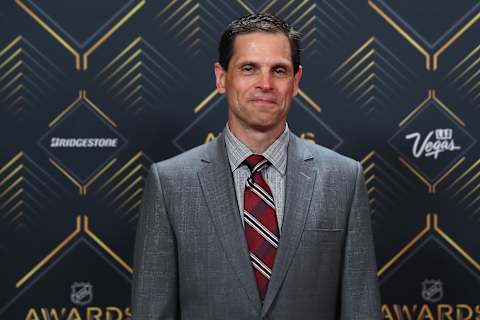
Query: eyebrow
256, 64
248, 62
282, 65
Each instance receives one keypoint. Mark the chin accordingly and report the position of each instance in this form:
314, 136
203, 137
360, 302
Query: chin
264, 126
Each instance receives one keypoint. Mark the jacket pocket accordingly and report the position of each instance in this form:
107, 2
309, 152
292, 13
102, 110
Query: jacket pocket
319, 236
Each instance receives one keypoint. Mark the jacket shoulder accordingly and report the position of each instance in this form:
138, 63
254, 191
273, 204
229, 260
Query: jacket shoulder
188, 161
328, 157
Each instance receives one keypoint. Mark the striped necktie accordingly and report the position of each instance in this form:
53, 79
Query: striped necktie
261, 227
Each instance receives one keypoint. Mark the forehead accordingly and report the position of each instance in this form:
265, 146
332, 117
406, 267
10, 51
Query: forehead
262, 46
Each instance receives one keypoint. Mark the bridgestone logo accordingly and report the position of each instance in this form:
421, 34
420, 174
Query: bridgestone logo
83, 142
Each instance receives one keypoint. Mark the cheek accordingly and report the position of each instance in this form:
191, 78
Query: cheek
241, 94
287, 94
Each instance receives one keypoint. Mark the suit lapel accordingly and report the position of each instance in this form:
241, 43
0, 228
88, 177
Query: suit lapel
218, 188
300, 180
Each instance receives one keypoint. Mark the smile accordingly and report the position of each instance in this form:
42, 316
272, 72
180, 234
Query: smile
263, 101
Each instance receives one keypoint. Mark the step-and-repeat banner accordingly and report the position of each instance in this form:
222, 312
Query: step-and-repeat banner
92, 92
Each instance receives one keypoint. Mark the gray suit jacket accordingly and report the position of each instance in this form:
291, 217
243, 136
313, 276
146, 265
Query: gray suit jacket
191, 256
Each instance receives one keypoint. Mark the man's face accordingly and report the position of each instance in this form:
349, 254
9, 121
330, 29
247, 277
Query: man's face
260, 82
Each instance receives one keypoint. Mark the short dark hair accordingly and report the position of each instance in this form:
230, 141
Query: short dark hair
257, 22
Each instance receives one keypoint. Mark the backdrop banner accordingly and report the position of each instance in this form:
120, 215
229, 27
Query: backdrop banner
93, 92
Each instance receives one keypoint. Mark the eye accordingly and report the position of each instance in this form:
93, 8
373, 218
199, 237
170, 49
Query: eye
280, 71
247, 68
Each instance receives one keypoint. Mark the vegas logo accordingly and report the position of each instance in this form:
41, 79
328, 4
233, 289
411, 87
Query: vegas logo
431, 139
429, 146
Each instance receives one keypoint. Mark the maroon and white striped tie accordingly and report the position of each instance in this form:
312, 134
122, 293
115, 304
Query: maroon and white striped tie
261, 227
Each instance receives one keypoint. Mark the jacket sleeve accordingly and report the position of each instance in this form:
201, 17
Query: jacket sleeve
360, 298
155, 283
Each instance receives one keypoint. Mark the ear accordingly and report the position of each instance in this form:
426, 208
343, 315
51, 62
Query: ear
220, 75
296, 80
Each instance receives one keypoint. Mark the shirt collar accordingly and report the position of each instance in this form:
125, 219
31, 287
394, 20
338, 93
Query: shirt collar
276, 153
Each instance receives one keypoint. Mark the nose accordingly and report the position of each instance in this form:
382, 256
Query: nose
265, 81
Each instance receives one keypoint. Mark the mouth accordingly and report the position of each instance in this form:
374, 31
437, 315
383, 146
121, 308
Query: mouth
267, 101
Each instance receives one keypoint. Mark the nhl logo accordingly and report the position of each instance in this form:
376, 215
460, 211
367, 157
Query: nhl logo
432, 290
82, 293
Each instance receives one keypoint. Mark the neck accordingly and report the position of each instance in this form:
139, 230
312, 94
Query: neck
257, 141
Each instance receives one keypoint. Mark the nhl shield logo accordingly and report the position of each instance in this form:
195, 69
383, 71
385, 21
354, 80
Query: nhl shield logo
432, 290
82, 293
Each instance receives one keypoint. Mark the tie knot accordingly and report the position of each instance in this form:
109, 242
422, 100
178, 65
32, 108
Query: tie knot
256, 162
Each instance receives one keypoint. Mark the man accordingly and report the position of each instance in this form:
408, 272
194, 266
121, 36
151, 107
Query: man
256, 224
